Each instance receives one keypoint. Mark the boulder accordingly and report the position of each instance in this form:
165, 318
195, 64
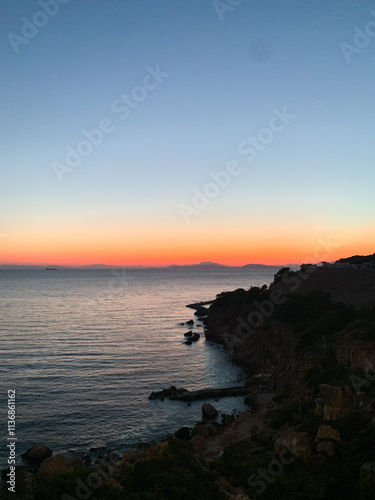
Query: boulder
157, 450
54, 465
326, 448
231, 436
209, 412
188, 342
133, 455
190, 322
198, 443
37, 453
195, 337
202, 430
326, 433
296, 442
183, 434
188, 334
337, 401
201, 311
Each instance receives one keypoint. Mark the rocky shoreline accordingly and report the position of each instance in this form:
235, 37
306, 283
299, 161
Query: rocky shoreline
310, 428
39, 462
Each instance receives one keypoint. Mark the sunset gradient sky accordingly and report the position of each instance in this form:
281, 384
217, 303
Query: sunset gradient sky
179, 89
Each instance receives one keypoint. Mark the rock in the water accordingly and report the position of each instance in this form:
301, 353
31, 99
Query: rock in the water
188, 342
190, 322
37, 453
209, 412
100, 445
183, 434
188, 334
172, 392
195, 337
201, 311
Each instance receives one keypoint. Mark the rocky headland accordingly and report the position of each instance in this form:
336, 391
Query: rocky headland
307, 344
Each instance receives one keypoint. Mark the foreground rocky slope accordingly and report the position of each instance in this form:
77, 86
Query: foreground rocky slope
310, 429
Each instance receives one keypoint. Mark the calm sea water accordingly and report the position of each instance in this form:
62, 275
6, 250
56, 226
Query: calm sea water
85, 348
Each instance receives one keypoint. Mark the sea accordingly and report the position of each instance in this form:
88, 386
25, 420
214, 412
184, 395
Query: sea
83, 350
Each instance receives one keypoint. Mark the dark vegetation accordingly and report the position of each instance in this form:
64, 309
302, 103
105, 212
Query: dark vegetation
358, 259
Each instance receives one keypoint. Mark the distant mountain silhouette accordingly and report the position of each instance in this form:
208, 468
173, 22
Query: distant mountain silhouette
200, 265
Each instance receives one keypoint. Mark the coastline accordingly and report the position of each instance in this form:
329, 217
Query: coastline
77, 459
311, 405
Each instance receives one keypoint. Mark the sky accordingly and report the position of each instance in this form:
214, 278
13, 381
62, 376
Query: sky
154, 132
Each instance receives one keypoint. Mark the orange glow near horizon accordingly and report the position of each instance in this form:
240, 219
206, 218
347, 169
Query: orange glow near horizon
153, 247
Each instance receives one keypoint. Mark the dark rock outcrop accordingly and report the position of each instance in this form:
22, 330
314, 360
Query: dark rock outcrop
37, 453
183, 434
209, 412
172, 393
58, 465
201, 311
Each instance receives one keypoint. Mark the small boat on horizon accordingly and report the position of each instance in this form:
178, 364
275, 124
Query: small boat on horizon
51, 268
